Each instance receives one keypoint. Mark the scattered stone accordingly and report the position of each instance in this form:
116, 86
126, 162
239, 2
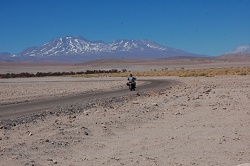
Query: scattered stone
85, 128
207, 91
135, 102
104, 126
155, 104
236, 139
30, 134
67, 110
178, 113
54, 161
73, 117
86, 113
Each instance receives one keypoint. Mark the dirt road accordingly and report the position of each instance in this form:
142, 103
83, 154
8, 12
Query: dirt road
15, 110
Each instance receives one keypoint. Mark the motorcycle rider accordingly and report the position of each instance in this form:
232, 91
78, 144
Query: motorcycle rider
132, 79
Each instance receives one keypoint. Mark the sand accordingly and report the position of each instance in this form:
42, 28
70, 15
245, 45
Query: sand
26, 89
201, 121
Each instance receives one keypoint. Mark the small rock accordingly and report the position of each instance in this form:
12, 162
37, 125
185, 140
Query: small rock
30, 134
86, 113
155, 104
178, 113
207, 91
135, 102
104, 126
236, 139
85, 128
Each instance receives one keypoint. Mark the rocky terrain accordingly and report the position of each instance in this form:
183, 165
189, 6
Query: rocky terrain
200, 121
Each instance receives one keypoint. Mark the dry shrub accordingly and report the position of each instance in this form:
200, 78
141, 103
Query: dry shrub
181, 73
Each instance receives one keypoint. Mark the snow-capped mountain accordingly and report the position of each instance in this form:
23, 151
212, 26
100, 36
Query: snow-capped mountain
241, 53
71, 48
134, 45
79, 46
64, 46
241, 49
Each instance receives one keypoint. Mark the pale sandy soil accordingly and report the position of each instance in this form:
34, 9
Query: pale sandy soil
108, 64
204, 121
27, 89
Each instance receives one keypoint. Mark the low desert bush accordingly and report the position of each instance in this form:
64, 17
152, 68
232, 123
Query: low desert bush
188, 72
124, 73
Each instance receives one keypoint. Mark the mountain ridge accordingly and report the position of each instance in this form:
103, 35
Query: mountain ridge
77, 48
240, 53
241, 49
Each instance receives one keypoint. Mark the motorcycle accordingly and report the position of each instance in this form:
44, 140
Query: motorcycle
131, 85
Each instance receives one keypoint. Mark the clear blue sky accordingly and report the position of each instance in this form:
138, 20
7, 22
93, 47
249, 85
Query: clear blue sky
210, 27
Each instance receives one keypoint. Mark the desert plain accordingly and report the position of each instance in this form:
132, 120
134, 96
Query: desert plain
195, 121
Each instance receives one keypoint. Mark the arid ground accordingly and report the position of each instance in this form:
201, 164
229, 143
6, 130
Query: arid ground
130, 65
198, 121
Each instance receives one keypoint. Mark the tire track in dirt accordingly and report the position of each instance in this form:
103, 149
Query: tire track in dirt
15, 110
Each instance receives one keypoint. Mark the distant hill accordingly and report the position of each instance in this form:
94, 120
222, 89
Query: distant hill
240, 53
4, 56
236, 57
79, 49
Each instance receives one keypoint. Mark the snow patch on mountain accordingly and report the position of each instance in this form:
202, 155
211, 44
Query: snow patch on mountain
65, 46
241, 49
77, 48
78, 45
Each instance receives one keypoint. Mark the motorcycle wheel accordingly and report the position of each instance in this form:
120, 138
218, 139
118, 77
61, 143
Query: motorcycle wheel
132, 87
